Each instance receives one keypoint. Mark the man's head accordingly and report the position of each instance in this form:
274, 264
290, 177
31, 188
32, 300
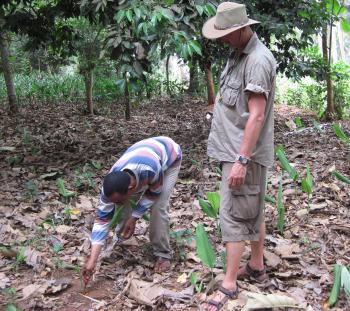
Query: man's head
117, 187
229, 24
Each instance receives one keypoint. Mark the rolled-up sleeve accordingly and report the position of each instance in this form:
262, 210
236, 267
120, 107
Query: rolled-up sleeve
105, 212
258, 77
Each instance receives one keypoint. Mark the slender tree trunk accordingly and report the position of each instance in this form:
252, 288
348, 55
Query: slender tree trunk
210, 84
193, 85
89, 82
167, 74
127, 100
148, 90
10, 86
330, 111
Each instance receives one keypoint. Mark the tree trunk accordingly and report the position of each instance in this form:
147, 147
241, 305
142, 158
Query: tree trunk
167, 74
330, 111
210, 84
127, 100
148, 89
193, 85
6, 67
89, 82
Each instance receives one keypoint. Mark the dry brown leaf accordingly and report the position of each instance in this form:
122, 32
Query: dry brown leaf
148, 293
4, 281
272, 260
260, 301
32, 257
30, 290
63, 229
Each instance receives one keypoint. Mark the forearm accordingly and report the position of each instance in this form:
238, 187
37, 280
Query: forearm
95, 252
251, 134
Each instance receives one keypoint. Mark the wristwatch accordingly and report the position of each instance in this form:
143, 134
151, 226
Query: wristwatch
242, 159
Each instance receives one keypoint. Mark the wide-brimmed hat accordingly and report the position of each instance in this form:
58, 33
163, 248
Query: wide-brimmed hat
230, 16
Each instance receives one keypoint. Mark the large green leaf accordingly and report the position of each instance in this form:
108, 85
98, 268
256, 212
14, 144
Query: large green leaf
205, 250
340, 134
334, 7
214, 200
336, 285
120, 16
285, 163
196, 47
345, 280
117, 216
207, 208
345, 25
280, 209
270, 199
341, 177
62, 189
306, 183
11, 307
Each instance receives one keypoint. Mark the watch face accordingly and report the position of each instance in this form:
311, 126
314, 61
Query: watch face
243, 160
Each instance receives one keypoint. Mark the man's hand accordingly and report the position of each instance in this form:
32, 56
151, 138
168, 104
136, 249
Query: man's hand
88, 270
89, 267
237, 175
129, 228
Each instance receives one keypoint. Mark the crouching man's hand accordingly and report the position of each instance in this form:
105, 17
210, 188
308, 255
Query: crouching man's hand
129, 228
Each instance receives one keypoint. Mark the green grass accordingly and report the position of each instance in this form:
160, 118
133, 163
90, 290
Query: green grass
52, 88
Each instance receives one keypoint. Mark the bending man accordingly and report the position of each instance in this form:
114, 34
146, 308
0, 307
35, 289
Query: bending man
149, 167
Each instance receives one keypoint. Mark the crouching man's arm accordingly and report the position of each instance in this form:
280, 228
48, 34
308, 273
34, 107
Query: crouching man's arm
99, 234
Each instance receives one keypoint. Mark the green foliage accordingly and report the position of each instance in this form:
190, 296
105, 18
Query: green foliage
270, 199
58, 87
341, 177
66, 194
84, 179
194, 281
31, 190
117, 216
306, 183
285, 163
298, 122
11, 307
280, 209
336, 285
212, 206
345, 280
205, 250
182, 239
340, 134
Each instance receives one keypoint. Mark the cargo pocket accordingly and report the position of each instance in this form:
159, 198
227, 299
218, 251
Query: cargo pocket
230, 92
246, 202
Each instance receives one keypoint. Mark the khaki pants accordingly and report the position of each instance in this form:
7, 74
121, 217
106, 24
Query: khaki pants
242, 208
159, 216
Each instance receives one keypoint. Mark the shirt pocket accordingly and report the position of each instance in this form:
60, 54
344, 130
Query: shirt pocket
231, 91
246, 202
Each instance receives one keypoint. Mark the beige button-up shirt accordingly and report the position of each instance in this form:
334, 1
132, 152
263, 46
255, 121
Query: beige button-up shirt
254, 70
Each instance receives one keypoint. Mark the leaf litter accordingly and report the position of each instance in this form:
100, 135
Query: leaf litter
52, 232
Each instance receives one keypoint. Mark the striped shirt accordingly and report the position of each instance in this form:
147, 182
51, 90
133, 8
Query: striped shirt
148, 160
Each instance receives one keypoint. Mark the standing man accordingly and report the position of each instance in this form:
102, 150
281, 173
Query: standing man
241, 138
151, 167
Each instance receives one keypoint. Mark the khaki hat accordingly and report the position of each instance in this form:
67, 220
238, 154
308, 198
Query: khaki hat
230, 16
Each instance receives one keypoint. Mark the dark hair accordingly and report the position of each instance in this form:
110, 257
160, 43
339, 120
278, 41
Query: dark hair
116, 182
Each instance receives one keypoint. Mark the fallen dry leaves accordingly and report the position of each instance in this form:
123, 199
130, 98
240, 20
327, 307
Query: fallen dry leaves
53, 235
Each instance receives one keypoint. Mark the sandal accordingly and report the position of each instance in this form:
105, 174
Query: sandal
229, 294
247, 272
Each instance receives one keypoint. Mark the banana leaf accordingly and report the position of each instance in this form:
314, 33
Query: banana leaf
285, 163
205, 250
